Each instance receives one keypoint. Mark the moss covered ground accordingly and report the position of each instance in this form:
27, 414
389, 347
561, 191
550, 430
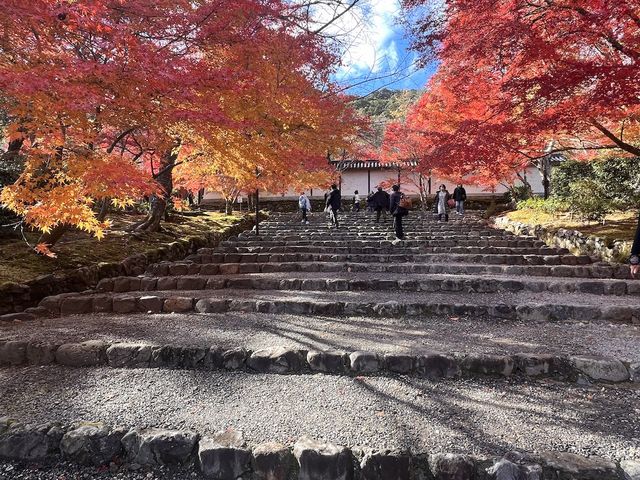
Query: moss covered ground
19, 263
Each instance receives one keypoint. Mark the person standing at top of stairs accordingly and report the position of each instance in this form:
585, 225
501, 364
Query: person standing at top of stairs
305, 206
356, 201
442, 203
397, 211
333, 204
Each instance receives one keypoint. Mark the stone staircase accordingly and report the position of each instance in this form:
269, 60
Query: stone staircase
456, 347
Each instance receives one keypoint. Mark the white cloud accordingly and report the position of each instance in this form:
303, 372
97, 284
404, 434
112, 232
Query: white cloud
366, 35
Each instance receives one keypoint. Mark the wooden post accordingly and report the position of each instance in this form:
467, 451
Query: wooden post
368, 181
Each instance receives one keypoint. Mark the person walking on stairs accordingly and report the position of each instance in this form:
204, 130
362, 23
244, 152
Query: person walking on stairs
459, 195
305, 207
397, 210
380, 203
356, 201
333, 204
441, 203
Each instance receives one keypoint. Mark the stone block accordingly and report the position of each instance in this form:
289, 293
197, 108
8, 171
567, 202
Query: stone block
17, 317
191, 283
76, 305
224, 456
105, 285
389, 309
150, 304
327, 308
86, 354
39, 353
102, 304
354, 309
125, 304
155, 446
13, 353
634, 372
327, 362
601, 368
93, 444
178, 269
533, 313
532, 364
129, 355
211, 305
21, 443
436, 365
364, 362
505, 469
167, 283
148, 284
209, 269
178, 304
173, 356
486, 364
295, 308
271, 461
234, 359
386, 466
399, 362
570, 466
322, 461
51, 304
447, 466
247, 306
276, 360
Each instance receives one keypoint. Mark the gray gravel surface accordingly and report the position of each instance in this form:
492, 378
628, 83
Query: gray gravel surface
70, 471
479, 416
255, 330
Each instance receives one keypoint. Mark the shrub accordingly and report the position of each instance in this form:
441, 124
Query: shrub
568, 172
588, 200
553, 205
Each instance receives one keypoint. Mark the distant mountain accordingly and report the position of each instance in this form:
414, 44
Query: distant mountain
383, 107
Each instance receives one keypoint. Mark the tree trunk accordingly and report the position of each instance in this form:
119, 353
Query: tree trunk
56, 233
159, 202
104, 209
228, 206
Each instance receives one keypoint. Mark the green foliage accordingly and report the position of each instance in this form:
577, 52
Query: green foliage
567, 172
588, 200
552, 206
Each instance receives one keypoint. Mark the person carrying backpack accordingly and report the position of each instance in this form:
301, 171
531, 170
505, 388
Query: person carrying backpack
333, 204
398, 210
305, 207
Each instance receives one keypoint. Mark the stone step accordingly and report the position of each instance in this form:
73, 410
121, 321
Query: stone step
213, 256
522, 306
356, 282
482, 417
560, 271
398, 248
286, 360
386, 243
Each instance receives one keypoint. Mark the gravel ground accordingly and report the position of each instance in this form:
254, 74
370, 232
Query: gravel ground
255, 330
70, 471
484, 417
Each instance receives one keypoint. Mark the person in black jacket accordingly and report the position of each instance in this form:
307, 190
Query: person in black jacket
634, 258
380, 203
397, 211
333, 204
460, 195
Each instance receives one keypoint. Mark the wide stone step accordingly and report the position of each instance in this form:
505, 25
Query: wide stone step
563, 271
213, 256
388, 243
434, 365
524, 306
354, 281
398, 248
483, 417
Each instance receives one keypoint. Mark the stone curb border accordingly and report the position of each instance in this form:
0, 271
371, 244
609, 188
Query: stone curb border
71, 304
282, 360
16, 297
212, 281
570, 239
226, 455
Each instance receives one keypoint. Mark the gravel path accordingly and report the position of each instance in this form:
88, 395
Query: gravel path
255, 331
483, 417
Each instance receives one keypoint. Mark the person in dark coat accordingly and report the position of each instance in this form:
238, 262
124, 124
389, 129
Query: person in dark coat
441, 203
634, 258
380, 203
459, 195
397, 211
333, 204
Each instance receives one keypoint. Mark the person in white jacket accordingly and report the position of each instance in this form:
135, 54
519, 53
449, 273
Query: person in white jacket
305, 207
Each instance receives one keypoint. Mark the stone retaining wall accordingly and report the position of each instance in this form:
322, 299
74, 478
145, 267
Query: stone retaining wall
226, 455
574, 241
434, 366
16, 297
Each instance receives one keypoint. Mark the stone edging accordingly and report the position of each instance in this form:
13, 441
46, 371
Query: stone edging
283, 360
226, 455
16, 297
572, 240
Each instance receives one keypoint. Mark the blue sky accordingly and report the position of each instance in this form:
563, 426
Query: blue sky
376, 51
